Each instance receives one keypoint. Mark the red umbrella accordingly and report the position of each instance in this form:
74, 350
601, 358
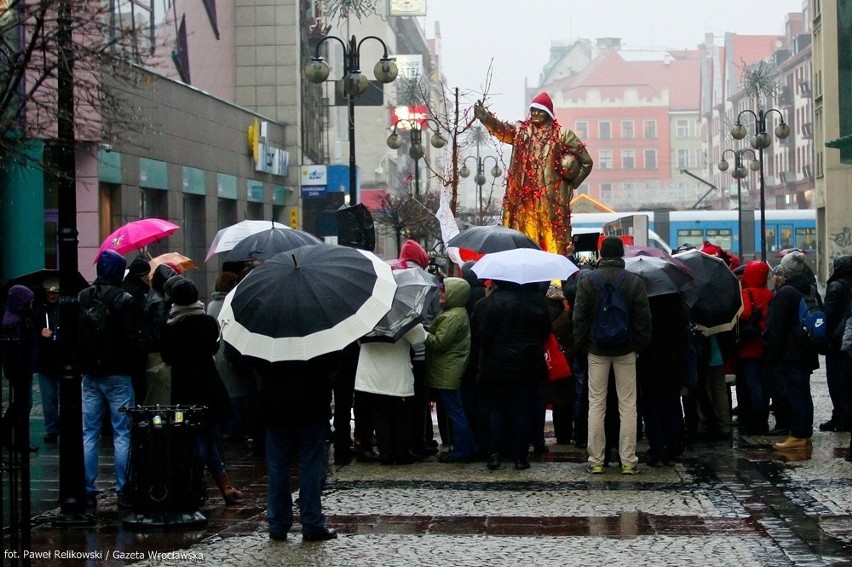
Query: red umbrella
136, 235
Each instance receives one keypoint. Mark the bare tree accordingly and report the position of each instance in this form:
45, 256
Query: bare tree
401, 215
30, 59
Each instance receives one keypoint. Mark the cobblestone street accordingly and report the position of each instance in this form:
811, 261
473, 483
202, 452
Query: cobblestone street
727, 503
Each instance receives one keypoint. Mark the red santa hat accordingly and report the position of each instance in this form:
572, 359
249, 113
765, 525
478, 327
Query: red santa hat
542, 102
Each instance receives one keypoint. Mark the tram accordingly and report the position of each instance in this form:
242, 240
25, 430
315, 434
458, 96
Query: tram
784, 228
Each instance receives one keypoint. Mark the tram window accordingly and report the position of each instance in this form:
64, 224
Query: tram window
723, 237
806, 238
786, 233
690, 236
770, 240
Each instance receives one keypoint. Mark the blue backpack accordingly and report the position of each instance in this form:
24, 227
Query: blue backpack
611, 328
813, 329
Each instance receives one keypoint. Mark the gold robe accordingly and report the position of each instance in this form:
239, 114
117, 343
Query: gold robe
548, 163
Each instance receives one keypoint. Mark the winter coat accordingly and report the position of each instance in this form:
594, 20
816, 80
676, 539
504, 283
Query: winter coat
189, 345
838, 295
663, 362
780, 343
585, 309
385, 368
157, 307
127, 347
513, 327
297, 392
756, 294
448, 339
18, 347
235, 378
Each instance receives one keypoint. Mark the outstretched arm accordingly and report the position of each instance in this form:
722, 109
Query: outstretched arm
503, 131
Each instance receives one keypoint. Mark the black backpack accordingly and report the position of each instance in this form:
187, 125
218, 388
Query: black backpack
611, 328
99, 331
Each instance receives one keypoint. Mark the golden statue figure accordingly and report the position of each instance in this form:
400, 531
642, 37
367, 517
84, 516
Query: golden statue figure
548, 163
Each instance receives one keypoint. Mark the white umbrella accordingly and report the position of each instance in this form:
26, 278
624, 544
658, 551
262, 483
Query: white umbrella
230, 236
524, 265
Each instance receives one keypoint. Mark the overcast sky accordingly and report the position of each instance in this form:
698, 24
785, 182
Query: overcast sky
516, 34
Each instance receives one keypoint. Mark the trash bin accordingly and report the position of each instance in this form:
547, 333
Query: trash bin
165, 475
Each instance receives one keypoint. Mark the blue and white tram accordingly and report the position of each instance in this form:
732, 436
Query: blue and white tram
784, 228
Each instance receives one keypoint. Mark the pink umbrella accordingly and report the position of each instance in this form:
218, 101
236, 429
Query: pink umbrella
136, 235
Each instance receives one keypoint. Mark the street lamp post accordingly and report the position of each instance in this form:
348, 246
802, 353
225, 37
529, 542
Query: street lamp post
354, 84
759, 141
739, 173
416, 151
480, 174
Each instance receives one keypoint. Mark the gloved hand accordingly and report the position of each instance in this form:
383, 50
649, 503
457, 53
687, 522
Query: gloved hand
479, 111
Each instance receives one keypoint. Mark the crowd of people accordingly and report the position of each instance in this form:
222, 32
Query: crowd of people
477, 354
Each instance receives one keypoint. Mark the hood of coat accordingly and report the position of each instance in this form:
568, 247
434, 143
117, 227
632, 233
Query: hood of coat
756, 274
111, 266
842, 269
161, 274
17, 303
457, 291
411, 251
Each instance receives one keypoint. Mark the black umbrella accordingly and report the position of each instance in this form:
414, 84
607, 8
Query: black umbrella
35, 281
306, 302
476, 241
661, 276
718, 299
266, 244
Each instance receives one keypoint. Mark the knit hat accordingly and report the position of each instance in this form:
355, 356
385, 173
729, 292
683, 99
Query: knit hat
612, 247
792, 264
542, 102
168, 287
139, 267
183, 292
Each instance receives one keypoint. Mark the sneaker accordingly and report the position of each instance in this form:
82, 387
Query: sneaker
596, 469
629, 469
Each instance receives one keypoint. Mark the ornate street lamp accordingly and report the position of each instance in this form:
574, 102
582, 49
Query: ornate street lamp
759, 141
416, 151
739, 173
354, 83
480, 173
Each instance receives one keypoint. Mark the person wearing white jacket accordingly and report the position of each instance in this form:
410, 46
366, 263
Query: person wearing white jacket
385, 374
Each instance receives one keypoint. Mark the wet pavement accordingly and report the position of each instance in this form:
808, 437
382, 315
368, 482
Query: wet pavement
736, 502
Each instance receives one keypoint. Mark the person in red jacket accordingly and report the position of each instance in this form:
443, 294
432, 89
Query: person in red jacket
754, 415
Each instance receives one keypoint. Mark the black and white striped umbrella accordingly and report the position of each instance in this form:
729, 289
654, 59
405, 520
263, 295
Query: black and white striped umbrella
306, 302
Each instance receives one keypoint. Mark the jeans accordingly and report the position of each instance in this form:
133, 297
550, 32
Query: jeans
464, 445
102, 394
209, 451
796, 384
624, 367
306, 445
49, 386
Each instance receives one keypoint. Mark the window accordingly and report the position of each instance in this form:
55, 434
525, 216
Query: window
582, 130
682, 159
605, 130
606, 192
721, 237
627, 129
650, 159
627, 193
628, 160
806, 238
682, 129
650, 129
583, 189
605, 159
694, 236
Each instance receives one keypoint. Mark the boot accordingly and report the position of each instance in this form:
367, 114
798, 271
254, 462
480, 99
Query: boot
229, 493
793, 443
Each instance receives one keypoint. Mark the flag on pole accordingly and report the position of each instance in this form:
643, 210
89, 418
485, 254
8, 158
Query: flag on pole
449, 227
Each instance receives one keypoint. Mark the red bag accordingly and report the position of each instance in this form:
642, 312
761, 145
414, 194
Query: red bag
557, 364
